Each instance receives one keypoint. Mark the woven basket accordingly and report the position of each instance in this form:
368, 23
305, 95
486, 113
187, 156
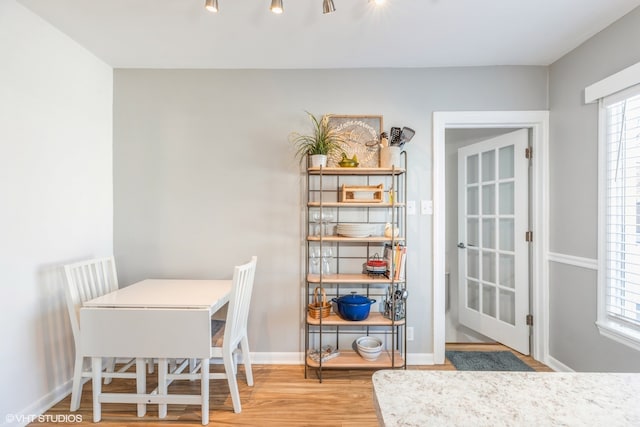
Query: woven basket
319, 308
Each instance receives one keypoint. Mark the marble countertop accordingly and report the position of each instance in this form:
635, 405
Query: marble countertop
463, 398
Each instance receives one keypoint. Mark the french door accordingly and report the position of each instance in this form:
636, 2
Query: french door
493, 254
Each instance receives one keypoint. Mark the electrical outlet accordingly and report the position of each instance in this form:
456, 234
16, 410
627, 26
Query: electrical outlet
409, 333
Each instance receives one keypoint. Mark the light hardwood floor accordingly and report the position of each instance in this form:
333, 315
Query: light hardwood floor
281, 396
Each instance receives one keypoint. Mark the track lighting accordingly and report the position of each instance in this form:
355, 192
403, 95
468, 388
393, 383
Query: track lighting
276, 6
211, 5
328, 7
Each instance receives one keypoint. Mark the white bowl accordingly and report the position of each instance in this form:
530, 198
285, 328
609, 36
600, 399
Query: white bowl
369, 348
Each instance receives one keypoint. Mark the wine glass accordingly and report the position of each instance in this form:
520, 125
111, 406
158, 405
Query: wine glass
327, 217
315, 260
327, 256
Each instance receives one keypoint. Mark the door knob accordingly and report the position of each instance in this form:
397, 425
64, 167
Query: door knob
461, 245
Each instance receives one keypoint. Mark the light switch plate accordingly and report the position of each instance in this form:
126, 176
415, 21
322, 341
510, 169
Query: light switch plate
411, 207
426, 207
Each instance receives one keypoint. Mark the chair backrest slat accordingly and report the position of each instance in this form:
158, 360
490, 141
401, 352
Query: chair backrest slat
239, 301
87, 280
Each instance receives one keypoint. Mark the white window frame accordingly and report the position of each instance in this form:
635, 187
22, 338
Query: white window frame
608, 325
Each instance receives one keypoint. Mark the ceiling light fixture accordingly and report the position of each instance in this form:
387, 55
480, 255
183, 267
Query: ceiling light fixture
328, 7
276, 6
211, 5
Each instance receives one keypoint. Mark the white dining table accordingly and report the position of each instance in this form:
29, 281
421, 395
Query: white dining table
153, 319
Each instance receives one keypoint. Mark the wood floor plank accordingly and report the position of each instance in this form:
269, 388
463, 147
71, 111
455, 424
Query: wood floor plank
281, 397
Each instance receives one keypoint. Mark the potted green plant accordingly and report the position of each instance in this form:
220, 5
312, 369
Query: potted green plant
321, 143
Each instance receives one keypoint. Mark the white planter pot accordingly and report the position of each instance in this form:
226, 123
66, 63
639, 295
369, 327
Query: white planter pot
317, 160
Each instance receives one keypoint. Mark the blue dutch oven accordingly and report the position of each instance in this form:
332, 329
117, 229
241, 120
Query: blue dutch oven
353, 307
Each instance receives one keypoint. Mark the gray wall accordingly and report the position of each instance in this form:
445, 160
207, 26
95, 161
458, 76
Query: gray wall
574, 338
204, 174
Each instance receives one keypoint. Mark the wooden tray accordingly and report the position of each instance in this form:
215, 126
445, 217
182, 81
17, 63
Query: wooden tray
362, 194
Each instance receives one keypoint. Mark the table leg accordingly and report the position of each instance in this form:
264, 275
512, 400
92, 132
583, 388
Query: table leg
141, 383
162, 385
96, 385
204, 390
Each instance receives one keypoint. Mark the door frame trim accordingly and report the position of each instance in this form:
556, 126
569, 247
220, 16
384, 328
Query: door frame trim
538, 122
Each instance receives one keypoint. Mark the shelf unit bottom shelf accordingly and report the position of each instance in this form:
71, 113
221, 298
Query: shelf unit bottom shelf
349, 359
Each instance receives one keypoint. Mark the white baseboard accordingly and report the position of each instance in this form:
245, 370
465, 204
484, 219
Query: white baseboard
276, 358
556, 365
420, 359
297, 358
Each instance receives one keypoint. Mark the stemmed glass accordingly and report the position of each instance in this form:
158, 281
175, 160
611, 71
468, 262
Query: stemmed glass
327, 217
315, 217
327, 255
314, 256
321, 221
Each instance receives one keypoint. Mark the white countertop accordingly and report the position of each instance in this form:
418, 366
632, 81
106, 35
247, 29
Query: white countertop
463, 398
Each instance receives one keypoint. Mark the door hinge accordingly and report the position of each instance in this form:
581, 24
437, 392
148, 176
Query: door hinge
529, 319
528, 236
528, 153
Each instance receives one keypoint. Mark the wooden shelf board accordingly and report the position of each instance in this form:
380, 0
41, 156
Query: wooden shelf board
355, 205
348, 278
355, 171
349, 359
374, 319
373, 239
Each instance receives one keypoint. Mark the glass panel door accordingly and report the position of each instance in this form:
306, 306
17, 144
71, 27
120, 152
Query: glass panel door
493, 188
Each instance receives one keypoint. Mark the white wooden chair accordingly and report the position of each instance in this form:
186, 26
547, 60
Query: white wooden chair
235, 337
227, 342
87, 280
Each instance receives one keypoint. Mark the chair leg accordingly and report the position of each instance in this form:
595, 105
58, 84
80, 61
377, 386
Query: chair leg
76, 387
227, 358
111, 365
235, 361
96, 375
244, 345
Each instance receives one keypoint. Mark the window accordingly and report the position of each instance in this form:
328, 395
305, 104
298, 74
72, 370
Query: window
619, 282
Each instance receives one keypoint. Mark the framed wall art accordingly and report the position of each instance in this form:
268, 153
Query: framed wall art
361, 136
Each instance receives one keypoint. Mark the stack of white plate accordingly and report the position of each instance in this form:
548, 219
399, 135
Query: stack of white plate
355, 230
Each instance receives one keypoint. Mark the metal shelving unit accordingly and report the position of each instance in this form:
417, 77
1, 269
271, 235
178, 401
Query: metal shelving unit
344, 258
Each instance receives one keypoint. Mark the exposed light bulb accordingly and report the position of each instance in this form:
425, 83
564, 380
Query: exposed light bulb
211, 5
276, 6
328, 7
378, 2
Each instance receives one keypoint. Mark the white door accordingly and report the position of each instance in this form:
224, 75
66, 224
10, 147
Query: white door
493, 254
